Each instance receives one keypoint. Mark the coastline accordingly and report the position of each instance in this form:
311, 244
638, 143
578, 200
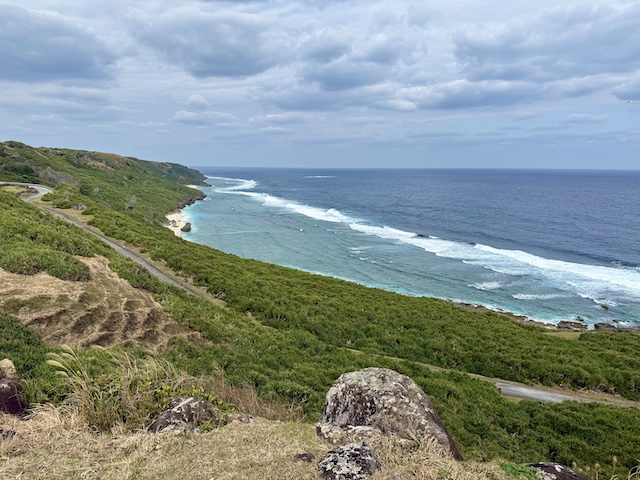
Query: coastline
176, 220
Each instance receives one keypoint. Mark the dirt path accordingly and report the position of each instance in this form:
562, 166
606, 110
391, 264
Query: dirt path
507, 388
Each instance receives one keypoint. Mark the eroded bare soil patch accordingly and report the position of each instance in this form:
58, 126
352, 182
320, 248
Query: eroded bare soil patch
105, 310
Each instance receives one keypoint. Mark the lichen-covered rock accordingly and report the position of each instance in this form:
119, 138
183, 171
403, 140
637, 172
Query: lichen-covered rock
388, 401
10, 389
336, 435
185, 414
349, 462
555, 471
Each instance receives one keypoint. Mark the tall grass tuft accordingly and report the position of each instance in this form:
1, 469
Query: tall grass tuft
130, 391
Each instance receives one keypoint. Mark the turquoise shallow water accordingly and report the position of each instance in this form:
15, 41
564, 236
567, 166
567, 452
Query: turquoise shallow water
549, 245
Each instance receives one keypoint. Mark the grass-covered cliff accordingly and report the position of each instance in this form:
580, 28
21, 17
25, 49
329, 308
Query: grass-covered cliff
285, 333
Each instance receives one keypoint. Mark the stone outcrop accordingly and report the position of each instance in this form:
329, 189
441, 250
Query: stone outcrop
186, 227
567, 326
387, 401
349, 462
605, 327
10, 389
185, 414
554, 471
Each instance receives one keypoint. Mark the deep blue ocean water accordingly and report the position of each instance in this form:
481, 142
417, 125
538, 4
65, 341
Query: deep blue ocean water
551, 245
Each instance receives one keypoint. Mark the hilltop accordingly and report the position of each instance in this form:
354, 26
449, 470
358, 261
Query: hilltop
285, 334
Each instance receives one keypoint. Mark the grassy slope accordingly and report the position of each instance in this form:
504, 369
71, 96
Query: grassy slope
291, 346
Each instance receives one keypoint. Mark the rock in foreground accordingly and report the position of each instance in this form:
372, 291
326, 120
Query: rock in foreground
349, 462
387, 401
10, 389
185, 414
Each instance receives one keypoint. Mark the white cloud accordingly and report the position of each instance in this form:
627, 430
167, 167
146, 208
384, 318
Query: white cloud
198, 101
219, 119
585, 118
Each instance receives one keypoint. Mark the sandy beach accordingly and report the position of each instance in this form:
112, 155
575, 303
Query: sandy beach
175, 222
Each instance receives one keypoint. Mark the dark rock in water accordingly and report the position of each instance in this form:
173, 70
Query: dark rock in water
185, 414
387, 401
10, 389
349, 462
187, 227
605, 327
566, 326
555, 471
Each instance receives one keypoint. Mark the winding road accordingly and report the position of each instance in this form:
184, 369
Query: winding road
506, 388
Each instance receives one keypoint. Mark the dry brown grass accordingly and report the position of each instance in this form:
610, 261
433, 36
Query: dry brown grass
105, 310
55, 444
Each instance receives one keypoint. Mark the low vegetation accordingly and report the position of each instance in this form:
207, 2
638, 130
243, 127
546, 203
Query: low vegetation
287, 335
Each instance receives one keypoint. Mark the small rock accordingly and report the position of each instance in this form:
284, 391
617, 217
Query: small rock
187, 227
239, 417
10, 389
304, 457
185, 414
605, 327
566, 326
555, 471
349, 462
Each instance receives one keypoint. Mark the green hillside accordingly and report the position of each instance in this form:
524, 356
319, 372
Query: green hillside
290, 334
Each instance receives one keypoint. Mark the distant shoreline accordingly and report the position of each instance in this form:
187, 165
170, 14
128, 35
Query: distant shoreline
176, 219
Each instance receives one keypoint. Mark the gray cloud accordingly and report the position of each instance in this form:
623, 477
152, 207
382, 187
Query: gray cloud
571, 42
465, 94
41, 46
226, 44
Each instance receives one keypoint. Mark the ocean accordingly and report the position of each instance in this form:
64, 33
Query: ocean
549, 245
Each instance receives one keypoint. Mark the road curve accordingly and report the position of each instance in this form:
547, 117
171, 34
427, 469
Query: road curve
125, 252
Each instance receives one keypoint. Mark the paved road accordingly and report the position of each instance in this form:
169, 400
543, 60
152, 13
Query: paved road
42, 190
529, 393
125, 252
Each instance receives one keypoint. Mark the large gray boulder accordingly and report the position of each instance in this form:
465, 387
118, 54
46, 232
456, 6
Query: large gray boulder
185, 414
387, 401
555, 471
10, 389
349, 462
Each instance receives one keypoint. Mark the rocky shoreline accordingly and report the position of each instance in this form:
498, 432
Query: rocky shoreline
176, 219
563, 326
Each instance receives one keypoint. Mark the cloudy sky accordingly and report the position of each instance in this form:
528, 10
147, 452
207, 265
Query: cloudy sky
340, 83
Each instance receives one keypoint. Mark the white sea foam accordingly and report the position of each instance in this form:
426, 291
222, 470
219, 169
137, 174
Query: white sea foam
486, 285
589, 281
320, 176
540, 296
